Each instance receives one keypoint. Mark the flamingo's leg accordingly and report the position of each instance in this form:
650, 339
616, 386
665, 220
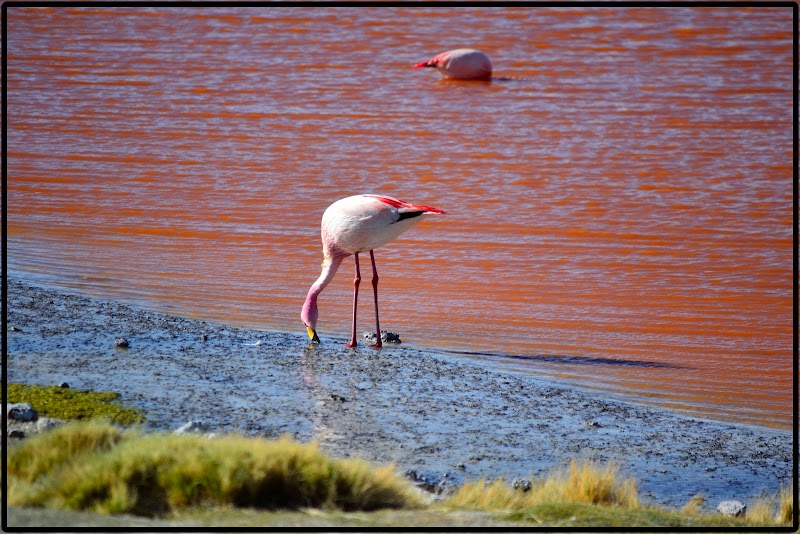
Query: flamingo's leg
357, 281
378, 344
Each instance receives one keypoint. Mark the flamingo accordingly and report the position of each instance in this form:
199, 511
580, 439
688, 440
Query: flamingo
460, 64
352, 225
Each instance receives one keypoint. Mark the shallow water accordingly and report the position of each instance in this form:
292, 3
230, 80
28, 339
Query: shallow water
619, 196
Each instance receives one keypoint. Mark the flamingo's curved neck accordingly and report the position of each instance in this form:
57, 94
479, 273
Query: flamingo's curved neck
329, 267
310, 314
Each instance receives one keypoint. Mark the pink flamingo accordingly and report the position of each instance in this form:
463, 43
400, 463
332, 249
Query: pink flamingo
460, 64
352, 225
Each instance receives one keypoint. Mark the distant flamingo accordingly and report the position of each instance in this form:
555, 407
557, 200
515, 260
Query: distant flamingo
460, 64
352, 225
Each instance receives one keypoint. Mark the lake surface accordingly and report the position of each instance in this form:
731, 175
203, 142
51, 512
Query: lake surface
619, 196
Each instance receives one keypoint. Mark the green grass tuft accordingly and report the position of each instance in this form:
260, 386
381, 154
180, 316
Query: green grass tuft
153, 474
575, 514
48, 452
73, 404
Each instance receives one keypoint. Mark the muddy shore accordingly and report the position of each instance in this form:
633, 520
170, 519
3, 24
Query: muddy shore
446, 418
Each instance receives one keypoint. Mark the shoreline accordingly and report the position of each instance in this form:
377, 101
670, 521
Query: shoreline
439, 418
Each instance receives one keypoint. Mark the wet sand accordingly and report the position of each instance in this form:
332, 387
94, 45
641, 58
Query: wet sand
444, 417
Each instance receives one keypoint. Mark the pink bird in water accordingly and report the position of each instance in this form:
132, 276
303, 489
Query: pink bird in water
460, 64
352, 225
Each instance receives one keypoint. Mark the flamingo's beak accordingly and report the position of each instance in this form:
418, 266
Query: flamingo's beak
312, 335
422, 64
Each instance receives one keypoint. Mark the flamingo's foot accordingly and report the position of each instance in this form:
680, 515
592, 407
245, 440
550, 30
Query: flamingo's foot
352, 344
376, 345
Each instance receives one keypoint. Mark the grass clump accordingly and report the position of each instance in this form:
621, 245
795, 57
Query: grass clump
575, 515
786, 513
73, 404
153, 474
587, 494
776, 509
694, 505
587, 482
48, 452
583, 482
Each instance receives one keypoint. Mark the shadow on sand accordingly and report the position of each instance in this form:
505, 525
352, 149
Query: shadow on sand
579, 360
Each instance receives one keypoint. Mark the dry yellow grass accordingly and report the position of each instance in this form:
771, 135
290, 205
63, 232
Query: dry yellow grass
694, 505
587, 494
769, 510
786, 504
761, 511
482, 496
583, 482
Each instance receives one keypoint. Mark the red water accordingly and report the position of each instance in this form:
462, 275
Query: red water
619, 197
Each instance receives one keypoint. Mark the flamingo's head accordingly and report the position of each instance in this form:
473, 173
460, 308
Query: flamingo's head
309, 317
438, 62
429, 63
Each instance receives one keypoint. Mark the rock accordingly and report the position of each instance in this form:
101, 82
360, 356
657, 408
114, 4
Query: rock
204, 337
337, 398
63, 385
390, 337
48, 423
521, 484
369, 336
731, 508
16, 434
193, 427
121, 343
386, 337
445, 488
441, 488
22, 411
420, 481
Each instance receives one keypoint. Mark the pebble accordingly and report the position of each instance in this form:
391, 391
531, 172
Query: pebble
63, 385
521, 484
122, 343
48, 423
193, 426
